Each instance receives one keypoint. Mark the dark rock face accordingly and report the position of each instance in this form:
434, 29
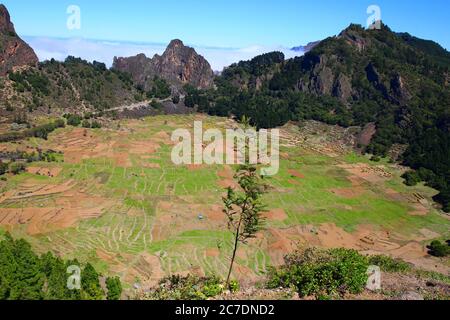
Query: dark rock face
14, 51
366, 135
342, 88
399, 92
179, 65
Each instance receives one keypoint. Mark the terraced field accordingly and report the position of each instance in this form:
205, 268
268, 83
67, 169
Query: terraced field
115, 198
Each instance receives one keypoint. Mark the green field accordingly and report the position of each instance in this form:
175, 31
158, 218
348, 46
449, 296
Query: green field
151, 207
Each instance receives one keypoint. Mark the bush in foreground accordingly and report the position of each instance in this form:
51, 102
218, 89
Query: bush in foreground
189, 287
322, 273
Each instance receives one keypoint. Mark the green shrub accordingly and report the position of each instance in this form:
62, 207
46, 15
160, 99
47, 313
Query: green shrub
438, 249
96, 125
73, 120
411, 178
86, 124
389, 264
190, 287
319, 273
114, 288
234, 286
156, 105
37, 132
3, 168
160, 89
16, 167
375, 159
176, 99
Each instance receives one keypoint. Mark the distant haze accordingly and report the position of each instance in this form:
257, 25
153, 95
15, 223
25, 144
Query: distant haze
105, 51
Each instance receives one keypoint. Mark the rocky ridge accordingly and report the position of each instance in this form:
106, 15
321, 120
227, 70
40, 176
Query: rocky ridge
178, 65
14, 52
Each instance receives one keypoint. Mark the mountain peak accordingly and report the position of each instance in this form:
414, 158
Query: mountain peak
178, 65
176, 43
6, 25
13, 51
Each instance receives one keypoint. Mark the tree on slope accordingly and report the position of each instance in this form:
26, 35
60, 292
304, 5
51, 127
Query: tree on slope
243, 207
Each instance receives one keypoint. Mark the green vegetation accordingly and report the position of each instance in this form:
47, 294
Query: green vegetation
190, 287
31, 80
65, 85
26, 276
397, 82
73, 120
244, 209
16, 167
156, 105
322, 273
160, 89
114, 287
138, 198
41, 131
176, 99
3, 168
388, 264
439, 249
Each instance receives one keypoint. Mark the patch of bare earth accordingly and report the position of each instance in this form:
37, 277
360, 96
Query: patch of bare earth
366, 239
69, 207
296, 174
41, 171
276, 215
226, 176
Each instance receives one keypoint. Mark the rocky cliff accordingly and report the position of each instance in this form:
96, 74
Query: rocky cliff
13, 51
179, 65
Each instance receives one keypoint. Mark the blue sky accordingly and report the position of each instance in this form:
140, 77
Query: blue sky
225, 23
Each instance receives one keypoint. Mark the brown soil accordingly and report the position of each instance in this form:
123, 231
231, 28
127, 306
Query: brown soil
49, 172
152, 165
296, 174
276, 214
70, 205
145, 267
122, 160
194, 167
348, 193
365, 239
419, 210
366, 172
44, 220
227, 178
212, 252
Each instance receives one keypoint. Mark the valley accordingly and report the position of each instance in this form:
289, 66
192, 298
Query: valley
97, 202
114, 198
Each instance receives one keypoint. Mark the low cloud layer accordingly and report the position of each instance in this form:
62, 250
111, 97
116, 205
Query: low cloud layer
105, 51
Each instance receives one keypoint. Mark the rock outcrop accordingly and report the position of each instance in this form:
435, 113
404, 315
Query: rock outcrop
179, 65
14, 51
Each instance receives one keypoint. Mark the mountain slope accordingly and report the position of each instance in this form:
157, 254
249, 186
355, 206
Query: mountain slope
13, 51
400, 84
72, 86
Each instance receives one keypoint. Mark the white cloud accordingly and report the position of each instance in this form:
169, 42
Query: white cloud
105, 51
